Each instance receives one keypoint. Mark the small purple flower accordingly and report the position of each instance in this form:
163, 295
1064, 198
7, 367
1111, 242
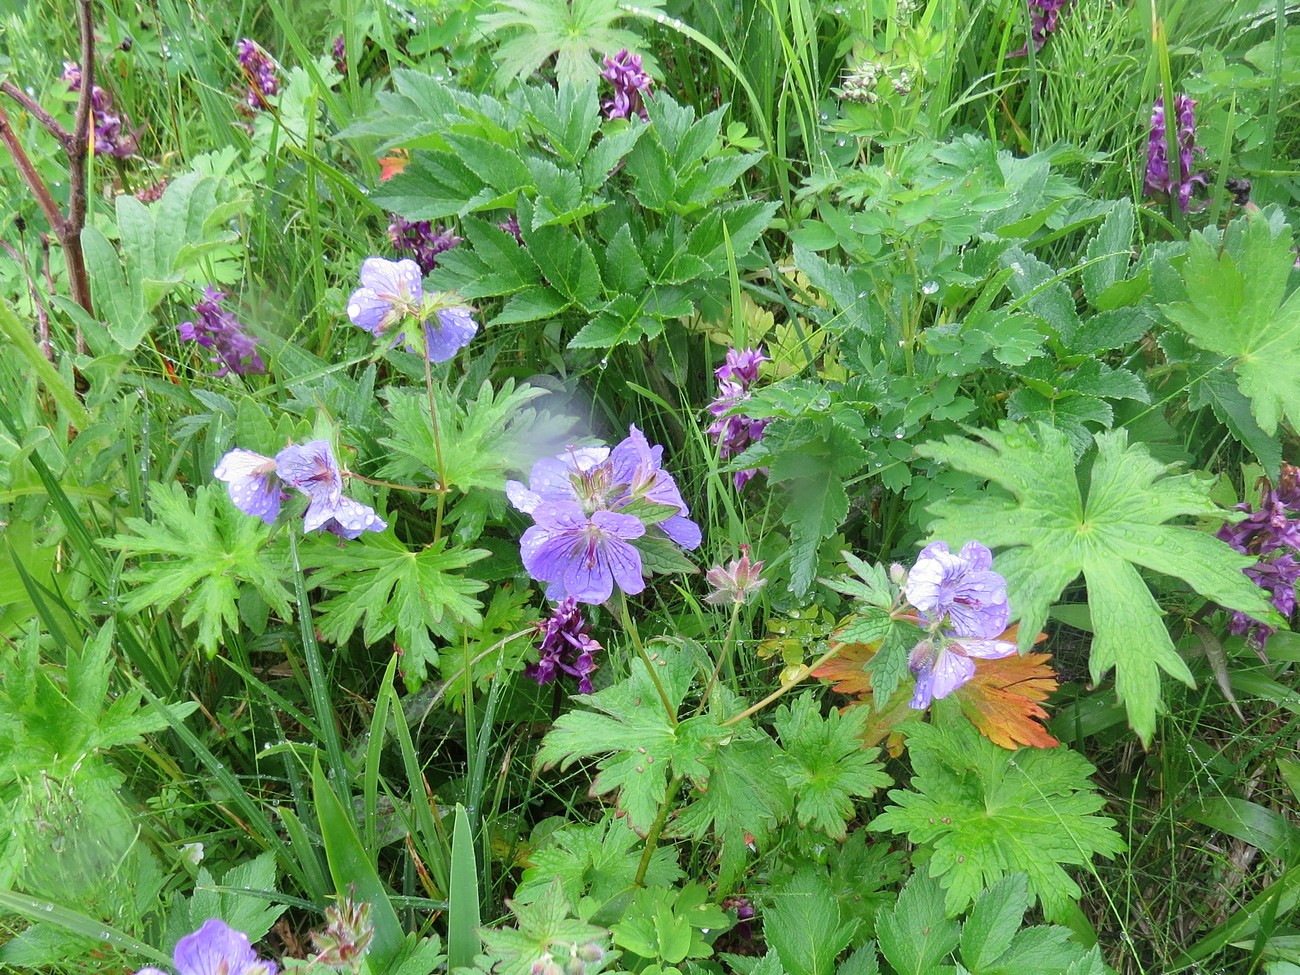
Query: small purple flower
392, 291
943, 664
215, 949
422, 240
741, 366
737, 582
1043, 18
112, 136
511, 226
252, 482
340, 53
623, 71
736, 432
638, 474
259, 72
582, 555
1270, 533
567, 647
1159, 177
312, 469
219, 331
962, 589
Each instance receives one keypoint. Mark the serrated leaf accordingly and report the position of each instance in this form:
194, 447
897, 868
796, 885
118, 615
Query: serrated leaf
627, 725
413, 595
434, 185
1047, 298
803, 924
1217, 390
530, 305
993, 922
1108, 251
827, 765
1116, 329
913, 934
981, 811
1236, 309
210, 547
1052, 536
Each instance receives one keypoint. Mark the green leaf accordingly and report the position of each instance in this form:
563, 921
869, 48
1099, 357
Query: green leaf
1236, 309
119, 298
1052, 536
827, 765
414, 595
804, 926
914, 934
812, 456
1108, 252
981, 811
210, 547
462, 896
994, 921
530, 305
541, 925
597, 861
1048, 298
562, 257
629, 727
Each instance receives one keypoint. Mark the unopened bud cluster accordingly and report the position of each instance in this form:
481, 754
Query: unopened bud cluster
576, 962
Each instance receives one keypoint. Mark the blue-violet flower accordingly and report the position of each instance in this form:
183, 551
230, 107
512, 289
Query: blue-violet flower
734, 432
1270, 533
960, 590
219, 331
312, 469
392, 291
582, 555
254, 486
215, 949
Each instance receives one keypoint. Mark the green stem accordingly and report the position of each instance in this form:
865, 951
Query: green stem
657, 827
437, 450
781, 691
728, 644
389, 484
630, 626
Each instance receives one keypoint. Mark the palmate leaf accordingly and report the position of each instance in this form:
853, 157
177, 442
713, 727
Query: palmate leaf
211, 547
1236, 309
826, 765
412, 595
985, 813
1050, 534
629, 727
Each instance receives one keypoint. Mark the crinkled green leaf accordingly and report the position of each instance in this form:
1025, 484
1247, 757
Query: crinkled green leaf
1235, 308
985, 813
1050, 535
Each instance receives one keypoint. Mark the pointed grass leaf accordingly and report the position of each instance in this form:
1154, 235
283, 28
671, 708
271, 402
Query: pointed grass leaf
462, 899
1236, 309
1050, 535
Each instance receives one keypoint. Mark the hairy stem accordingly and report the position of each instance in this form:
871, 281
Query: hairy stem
783, 689
630, 626
657, 827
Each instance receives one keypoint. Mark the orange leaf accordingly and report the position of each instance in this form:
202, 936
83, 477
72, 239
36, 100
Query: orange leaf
392, 164
1001, 700
848, 669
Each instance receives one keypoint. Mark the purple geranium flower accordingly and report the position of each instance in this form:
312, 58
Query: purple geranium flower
215, 949
218, 330
392, 291
961, 589
252, 482
567, 647
943, 664
582, 555
259, 72
1159, 176
422, 240
312, 469
637, 474
623, 71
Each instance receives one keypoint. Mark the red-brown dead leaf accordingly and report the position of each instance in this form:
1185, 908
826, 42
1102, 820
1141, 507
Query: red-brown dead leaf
1001, 700
392, 164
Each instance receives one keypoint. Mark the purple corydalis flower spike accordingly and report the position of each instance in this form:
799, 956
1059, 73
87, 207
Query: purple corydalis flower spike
630, 82
252, 482
339, 50
582, 556
962, 588
259, 71
219, 331
112, 136
567, 647
422, 240
1044, 17
736, 432
1273, 536
215, 949
1160, 178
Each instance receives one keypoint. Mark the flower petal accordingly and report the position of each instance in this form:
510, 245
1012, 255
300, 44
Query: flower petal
392, 279
455, 328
